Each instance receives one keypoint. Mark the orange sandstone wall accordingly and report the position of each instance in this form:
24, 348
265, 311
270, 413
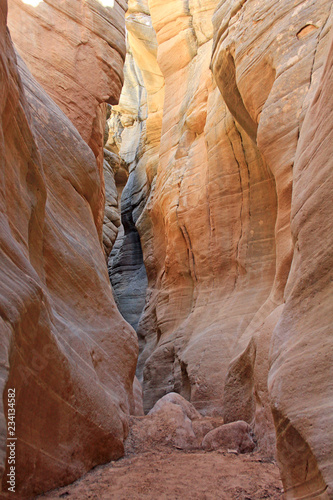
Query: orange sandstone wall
65, 348
268, 60
301, 374
238, 302
75, 49
208, 227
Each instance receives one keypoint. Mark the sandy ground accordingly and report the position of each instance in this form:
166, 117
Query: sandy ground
176, 474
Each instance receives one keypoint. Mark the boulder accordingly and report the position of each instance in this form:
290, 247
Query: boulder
236, 436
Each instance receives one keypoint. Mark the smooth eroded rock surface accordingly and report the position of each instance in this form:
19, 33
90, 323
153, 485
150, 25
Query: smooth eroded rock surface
224, 260
208, 228
235, 229
76, 51
112, 220
66, 350
176, 399
300, 379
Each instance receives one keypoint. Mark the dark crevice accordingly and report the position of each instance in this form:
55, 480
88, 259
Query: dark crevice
126, 267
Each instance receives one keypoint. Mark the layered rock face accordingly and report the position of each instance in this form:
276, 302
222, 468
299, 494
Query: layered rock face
67, 352
76, 51
235, 291
250, 42
126, 267
112, 222
135, 128
271, 109
300, 379
208, 228
224, 131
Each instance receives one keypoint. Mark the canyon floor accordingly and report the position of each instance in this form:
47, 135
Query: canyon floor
176, 474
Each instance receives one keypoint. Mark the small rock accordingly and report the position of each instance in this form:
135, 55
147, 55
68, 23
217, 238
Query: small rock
178, 400
235, 436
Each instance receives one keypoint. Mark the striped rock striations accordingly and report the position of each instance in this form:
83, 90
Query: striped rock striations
135, 129
224, 130
300, 378
238, 283
76, 51
268, 62
65, 348
208, 228
273, 57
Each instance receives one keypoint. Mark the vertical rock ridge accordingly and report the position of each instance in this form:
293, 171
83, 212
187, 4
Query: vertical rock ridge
264, 105
301, 353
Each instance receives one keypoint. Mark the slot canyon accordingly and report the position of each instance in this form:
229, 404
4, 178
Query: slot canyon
166, 249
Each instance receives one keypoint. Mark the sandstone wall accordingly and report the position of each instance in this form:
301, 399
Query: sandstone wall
208, 228
66, 350
235, 292
126, 268
273, 56
300, 378
136, 122
112, 221
76, 51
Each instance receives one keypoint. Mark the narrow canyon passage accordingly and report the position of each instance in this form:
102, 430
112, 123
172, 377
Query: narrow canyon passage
166, 235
